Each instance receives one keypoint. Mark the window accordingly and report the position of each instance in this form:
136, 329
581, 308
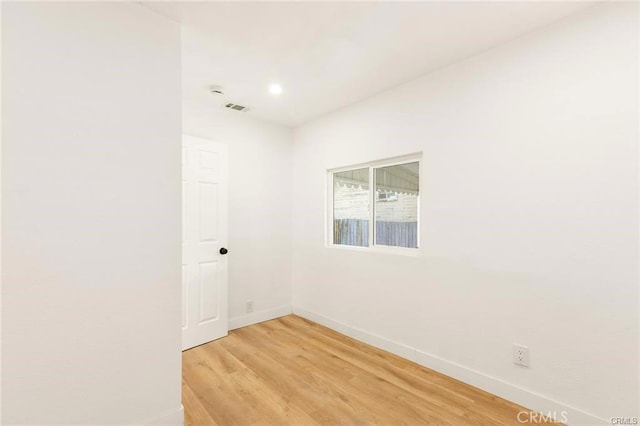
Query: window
376, 204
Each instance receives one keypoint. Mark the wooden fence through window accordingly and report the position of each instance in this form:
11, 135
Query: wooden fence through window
355, 232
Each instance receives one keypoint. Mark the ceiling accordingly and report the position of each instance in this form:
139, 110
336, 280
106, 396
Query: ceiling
327, 55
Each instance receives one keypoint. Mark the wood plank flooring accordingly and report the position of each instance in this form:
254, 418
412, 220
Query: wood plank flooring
290, 371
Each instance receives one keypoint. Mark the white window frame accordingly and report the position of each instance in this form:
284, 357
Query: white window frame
372, 165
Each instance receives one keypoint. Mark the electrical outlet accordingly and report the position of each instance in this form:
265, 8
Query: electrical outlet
521, 355
249, 306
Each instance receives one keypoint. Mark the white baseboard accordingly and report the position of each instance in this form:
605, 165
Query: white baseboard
260, 316
508, 391
170, 418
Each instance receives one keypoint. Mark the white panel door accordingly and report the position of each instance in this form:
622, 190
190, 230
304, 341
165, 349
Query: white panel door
204, 235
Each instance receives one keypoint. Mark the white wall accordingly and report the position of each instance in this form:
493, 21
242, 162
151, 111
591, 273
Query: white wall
91, 214
529, 209
259, 208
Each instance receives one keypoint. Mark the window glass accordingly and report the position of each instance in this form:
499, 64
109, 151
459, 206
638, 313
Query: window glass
397, 192
351, 207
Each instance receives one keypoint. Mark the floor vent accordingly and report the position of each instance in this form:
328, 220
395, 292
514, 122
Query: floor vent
236, 107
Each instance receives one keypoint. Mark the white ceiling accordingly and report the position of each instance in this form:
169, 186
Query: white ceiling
327, 55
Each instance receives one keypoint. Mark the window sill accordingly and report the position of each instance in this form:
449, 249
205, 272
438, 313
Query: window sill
402, 251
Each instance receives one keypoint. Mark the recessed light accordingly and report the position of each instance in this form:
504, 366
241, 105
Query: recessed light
275, 89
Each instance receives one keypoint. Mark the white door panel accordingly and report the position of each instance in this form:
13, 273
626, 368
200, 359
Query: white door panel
204, 269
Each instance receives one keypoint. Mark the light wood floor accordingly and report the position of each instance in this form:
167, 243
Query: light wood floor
291, 371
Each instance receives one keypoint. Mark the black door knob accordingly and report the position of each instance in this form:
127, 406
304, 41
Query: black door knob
224, 251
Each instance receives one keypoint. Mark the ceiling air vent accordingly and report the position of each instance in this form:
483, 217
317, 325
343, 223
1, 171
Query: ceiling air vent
236, 107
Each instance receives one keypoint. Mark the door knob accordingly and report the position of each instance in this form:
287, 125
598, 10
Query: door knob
224, 251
